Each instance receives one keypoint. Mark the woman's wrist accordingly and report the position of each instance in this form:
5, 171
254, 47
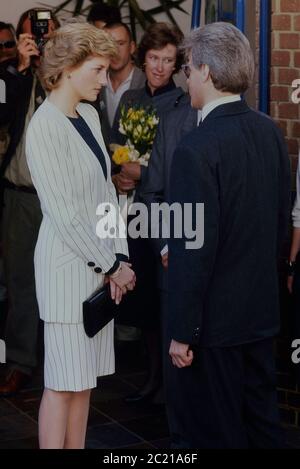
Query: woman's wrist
116, 273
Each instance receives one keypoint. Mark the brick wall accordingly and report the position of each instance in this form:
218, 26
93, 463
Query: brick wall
285, 67
285, 62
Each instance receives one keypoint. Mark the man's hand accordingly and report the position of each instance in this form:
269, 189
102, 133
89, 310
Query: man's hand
180, 354
165, 260
131, 171
290, 282
26, 49
123, 184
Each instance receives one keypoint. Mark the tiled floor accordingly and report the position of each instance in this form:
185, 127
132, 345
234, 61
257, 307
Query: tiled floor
112, 422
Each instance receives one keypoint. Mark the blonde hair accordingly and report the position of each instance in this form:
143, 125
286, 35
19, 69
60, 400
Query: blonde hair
69, 46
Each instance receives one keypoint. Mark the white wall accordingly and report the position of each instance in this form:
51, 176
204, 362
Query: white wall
10, 10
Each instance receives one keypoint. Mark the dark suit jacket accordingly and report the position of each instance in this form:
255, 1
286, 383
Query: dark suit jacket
172, 128
226, 293
138, 81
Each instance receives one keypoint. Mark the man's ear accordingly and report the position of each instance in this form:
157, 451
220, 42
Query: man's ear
132, 47
204, 73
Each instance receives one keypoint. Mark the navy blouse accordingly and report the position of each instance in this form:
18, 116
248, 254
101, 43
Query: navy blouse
86, 133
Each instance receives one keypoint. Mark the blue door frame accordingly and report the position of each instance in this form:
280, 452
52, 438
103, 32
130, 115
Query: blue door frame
265, 42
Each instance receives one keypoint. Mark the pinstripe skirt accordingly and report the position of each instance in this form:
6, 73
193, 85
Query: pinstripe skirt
73, 361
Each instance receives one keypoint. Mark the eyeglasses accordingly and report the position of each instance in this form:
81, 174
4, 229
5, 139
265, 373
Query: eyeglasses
7, 44
186, 70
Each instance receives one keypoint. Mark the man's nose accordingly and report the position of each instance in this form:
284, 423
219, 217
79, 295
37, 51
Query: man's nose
160, 65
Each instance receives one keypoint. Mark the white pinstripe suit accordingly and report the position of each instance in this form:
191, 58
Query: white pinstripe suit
70, 184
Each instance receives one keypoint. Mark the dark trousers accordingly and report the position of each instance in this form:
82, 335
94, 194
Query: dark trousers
21, 222
226, 399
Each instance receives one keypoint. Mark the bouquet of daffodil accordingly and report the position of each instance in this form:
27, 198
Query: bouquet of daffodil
139, 126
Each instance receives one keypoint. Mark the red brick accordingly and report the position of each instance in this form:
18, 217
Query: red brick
297, 23
296, 129
294, 166
273, 110
288, 111
282, 125
288, 75
281, 58
280, 93
273, 78
297, 59
281, 22
289, 41
293, 146
290, 6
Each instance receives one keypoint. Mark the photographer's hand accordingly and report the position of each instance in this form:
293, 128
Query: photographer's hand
26, 49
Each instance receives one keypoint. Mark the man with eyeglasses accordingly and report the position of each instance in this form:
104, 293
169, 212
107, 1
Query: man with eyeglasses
8, 45
21, 208
222, 297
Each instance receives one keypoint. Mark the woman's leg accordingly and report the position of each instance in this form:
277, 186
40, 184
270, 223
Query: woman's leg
53, 418
77, 420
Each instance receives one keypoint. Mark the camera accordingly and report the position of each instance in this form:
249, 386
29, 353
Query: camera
40, 26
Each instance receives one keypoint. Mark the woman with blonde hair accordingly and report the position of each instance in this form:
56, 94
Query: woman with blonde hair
71, 172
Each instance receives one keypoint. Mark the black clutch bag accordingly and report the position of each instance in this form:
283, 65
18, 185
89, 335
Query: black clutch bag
98, 310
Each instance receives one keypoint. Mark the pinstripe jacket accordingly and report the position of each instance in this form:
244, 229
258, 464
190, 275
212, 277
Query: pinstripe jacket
70, 259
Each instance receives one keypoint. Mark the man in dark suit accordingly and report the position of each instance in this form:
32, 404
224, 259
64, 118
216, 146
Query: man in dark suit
223, 308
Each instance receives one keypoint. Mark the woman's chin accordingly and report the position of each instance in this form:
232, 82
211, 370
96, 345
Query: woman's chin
91, 96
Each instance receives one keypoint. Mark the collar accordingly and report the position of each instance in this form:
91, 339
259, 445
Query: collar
163, 89
208, 108
126, 81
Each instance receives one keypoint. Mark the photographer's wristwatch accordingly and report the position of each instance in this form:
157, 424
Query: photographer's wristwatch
291, 267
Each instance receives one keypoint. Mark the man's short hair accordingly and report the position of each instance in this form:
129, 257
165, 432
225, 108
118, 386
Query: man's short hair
119, 24
9, 27
227, 52
105, 13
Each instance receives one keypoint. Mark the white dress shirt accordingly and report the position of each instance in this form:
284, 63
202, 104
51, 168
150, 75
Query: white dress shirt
113, 97
219, 102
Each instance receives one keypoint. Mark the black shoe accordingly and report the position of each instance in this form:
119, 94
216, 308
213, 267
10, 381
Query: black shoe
138, 398
13, 383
